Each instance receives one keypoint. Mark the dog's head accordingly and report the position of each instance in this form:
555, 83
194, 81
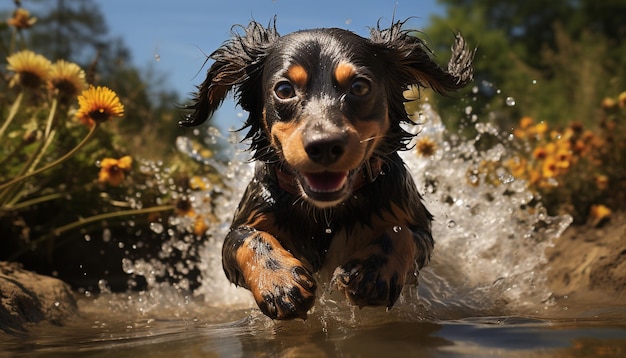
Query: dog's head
323, 102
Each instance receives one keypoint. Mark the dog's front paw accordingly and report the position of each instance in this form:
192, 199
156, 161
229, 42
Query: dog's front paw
369, 282
285, 293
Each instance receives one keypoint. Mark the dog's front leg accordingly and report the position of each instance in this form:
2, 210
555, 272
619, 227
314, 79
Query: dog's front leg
282, 287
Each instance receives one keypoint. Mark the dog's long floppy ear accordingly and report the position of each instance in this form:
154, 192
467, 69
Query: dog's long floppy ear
237, 66
414, 62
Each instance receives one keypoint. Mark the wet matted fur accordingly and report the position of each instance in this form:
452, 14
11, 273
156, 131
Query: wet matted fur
330, 193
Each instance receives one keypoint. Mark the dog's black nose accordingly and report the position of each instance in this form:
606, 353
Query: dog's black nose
325, 149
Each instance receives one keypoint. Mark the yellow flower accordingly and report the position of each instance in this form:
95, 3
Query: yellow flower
534, 176
580, 148
549, 168
21, 19
200, 226
608, 103
31, 69
622, 99
518, 133
113, 171
577, 127
525, 122
426, 147
563, 159
517, 166
98, 104
599, 214
67, 78
602, 181
540, 153
540, 128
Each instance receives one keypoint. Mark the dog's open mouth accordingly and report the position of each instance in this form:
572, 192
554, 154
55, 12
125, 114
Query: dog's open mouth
325, 186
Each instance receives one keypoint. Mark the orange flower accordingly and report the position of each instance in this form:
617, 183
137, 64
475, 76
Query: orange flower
540, 129
622, 99
517, 166
113, 171
525, 122
549, 169
599, 214
21, 19
602, 181
540, 153
97, 105
577, 127
563, 159
200, 226
608, 103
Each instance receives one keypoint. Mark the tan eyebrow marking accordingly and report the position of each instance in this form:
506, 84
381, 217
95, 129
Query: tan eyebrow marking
344, 72
298, 75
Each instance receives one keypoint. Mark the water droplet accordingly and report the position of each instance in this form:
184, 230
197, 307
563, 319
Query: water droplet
157, 228
127, 266
87, 238
328, 230
510, 101
397, 228
534, 82
451, 224
106, 235
103, 286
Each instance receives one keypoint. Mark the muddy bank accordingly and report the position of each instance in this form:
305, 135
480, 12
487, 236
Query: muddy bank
590, 262
26, 297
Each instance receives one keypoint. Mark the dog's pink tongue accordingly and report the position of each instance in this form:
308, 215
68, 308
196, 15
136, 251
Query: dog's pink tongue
327, 181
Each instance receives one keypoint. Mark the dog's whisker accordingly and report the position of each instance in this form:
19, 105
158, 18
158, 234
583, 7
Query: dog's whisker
371, 139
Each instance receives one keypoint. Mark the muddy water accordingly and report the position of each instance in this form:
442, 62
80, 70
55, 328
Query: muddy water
123, 326
484, 293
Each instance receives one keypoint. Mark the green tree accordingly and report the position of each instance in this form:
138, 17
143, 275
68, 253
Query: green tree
557, 60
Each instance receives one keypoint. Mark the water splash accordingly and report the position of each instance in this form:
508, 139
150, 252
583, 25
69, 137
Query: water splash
490, 230
490, 237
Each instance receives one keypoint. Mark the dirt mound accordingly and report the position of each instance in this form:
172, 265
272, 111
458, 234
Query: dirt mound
588, 261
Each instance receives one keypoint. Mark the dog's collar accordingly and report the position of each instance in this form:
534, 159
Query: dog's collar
370, 170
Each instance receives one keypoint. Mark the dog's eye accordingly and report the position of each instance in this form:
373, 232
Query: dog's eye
360, 87
284, 90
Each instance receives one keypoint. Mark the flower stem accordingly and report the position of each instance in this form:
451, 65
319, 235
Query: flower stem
12, 113
38, 200
92, 130
84, 221
50, 121
60, 230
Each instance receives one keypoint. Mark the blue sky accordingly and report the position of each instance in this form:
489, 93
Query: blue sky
173, 36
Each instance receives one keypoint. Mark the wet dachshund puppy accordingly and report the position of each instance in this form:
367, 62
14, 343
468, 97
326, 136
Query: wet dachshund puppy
330, 193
